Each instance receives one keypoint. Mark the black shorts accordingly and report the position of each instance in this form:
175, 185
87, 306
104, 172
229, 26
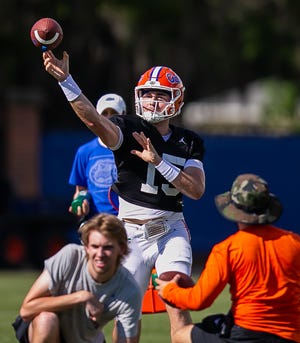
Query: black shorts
21, 330
237, 334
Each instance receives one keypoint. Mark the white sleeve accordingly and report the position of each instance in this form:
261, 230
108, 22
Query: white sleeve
120, 141
194, 163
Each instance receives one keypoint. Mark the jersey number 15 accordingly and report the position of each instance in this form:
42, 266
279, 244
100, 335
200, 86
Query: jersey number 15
149, 186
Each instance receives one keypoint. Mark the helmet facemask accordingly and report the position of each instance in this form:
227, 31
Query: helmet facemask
155, 116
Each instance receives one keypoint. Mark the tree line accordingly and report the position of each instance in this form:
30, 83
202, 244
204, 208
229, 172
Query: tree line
212, 44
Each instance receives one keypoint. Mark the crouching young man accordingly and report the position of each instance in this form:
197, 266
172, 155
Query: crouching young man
82, 288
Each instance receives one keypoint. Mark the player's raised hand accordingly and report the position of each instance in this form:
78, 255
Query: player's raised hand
59, 69
149, 154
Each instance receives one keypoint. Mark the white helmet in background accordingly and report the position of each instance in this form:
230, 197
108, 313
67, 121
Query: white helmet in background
111, 100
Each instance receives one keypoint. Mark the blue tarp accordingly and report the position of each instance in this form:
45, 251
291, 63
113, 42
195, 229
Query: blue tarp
274, 158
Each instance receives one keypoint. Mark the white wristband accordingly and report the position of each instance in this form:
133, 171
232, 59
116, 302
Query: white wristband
168, 170
70, 88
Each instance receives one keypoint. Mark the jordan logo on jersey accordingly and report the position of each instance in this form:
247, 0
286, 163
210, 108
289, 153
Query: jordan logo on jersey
181, 140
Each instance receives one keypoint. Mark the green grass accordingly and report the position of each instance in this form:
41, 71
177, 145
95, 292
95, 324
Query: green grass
13, 287
155, 327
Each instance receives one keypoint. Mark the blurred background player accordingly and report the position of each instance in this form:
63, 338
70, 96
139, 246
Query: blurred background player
82, 288
261, 264
94, 169
157, 164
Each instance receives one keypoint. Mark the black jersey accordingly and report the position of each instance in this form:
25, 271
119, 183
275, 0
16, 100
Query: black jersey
139, 182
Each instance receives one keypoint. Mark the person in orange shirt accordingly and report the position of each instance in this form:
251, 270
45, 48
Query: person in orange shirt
260, 262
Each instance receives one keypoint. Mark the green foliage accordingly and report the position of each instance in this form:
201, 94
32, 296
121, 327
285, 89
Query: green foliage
212, 45
281, 100
13, 287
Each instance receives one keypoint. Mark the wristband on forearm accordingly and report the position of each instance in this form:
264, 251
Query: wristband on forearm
70, 88
168, 170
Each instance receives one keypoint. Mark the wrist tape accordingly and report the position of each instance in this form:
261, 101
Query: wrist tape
168, 170
70, 88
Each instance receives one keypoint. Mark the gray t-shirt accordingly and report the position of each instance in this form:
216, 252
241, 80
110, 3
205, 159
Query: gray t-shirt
120, 295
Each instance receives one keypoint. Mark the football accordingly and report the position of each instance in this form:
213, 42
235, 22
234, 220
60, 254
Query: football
185, 281
46, 34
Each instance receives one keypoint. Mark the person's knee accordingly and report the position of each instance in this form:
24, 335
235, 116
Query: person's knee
46, 318
46, 325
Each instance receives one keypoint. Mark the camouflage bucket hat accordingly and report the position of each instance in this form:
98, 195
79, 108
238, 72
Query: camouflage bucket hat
249, 201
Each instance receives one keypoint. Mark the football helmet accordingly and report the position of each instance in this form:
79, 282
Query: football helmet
162, 79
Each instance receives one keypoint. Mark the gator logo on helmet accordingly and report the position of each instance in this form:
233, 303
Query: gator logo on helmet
173, 78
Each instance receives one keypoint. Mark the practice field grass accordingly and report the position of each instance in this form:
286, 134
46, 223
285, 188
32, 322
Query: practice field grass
155, 327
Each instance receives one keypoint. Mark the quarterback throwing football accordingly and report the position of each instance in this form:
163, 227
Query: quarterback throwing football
157, 164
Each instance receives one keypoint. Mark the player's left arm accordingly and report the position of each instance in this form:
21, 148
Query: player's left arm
190, 181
